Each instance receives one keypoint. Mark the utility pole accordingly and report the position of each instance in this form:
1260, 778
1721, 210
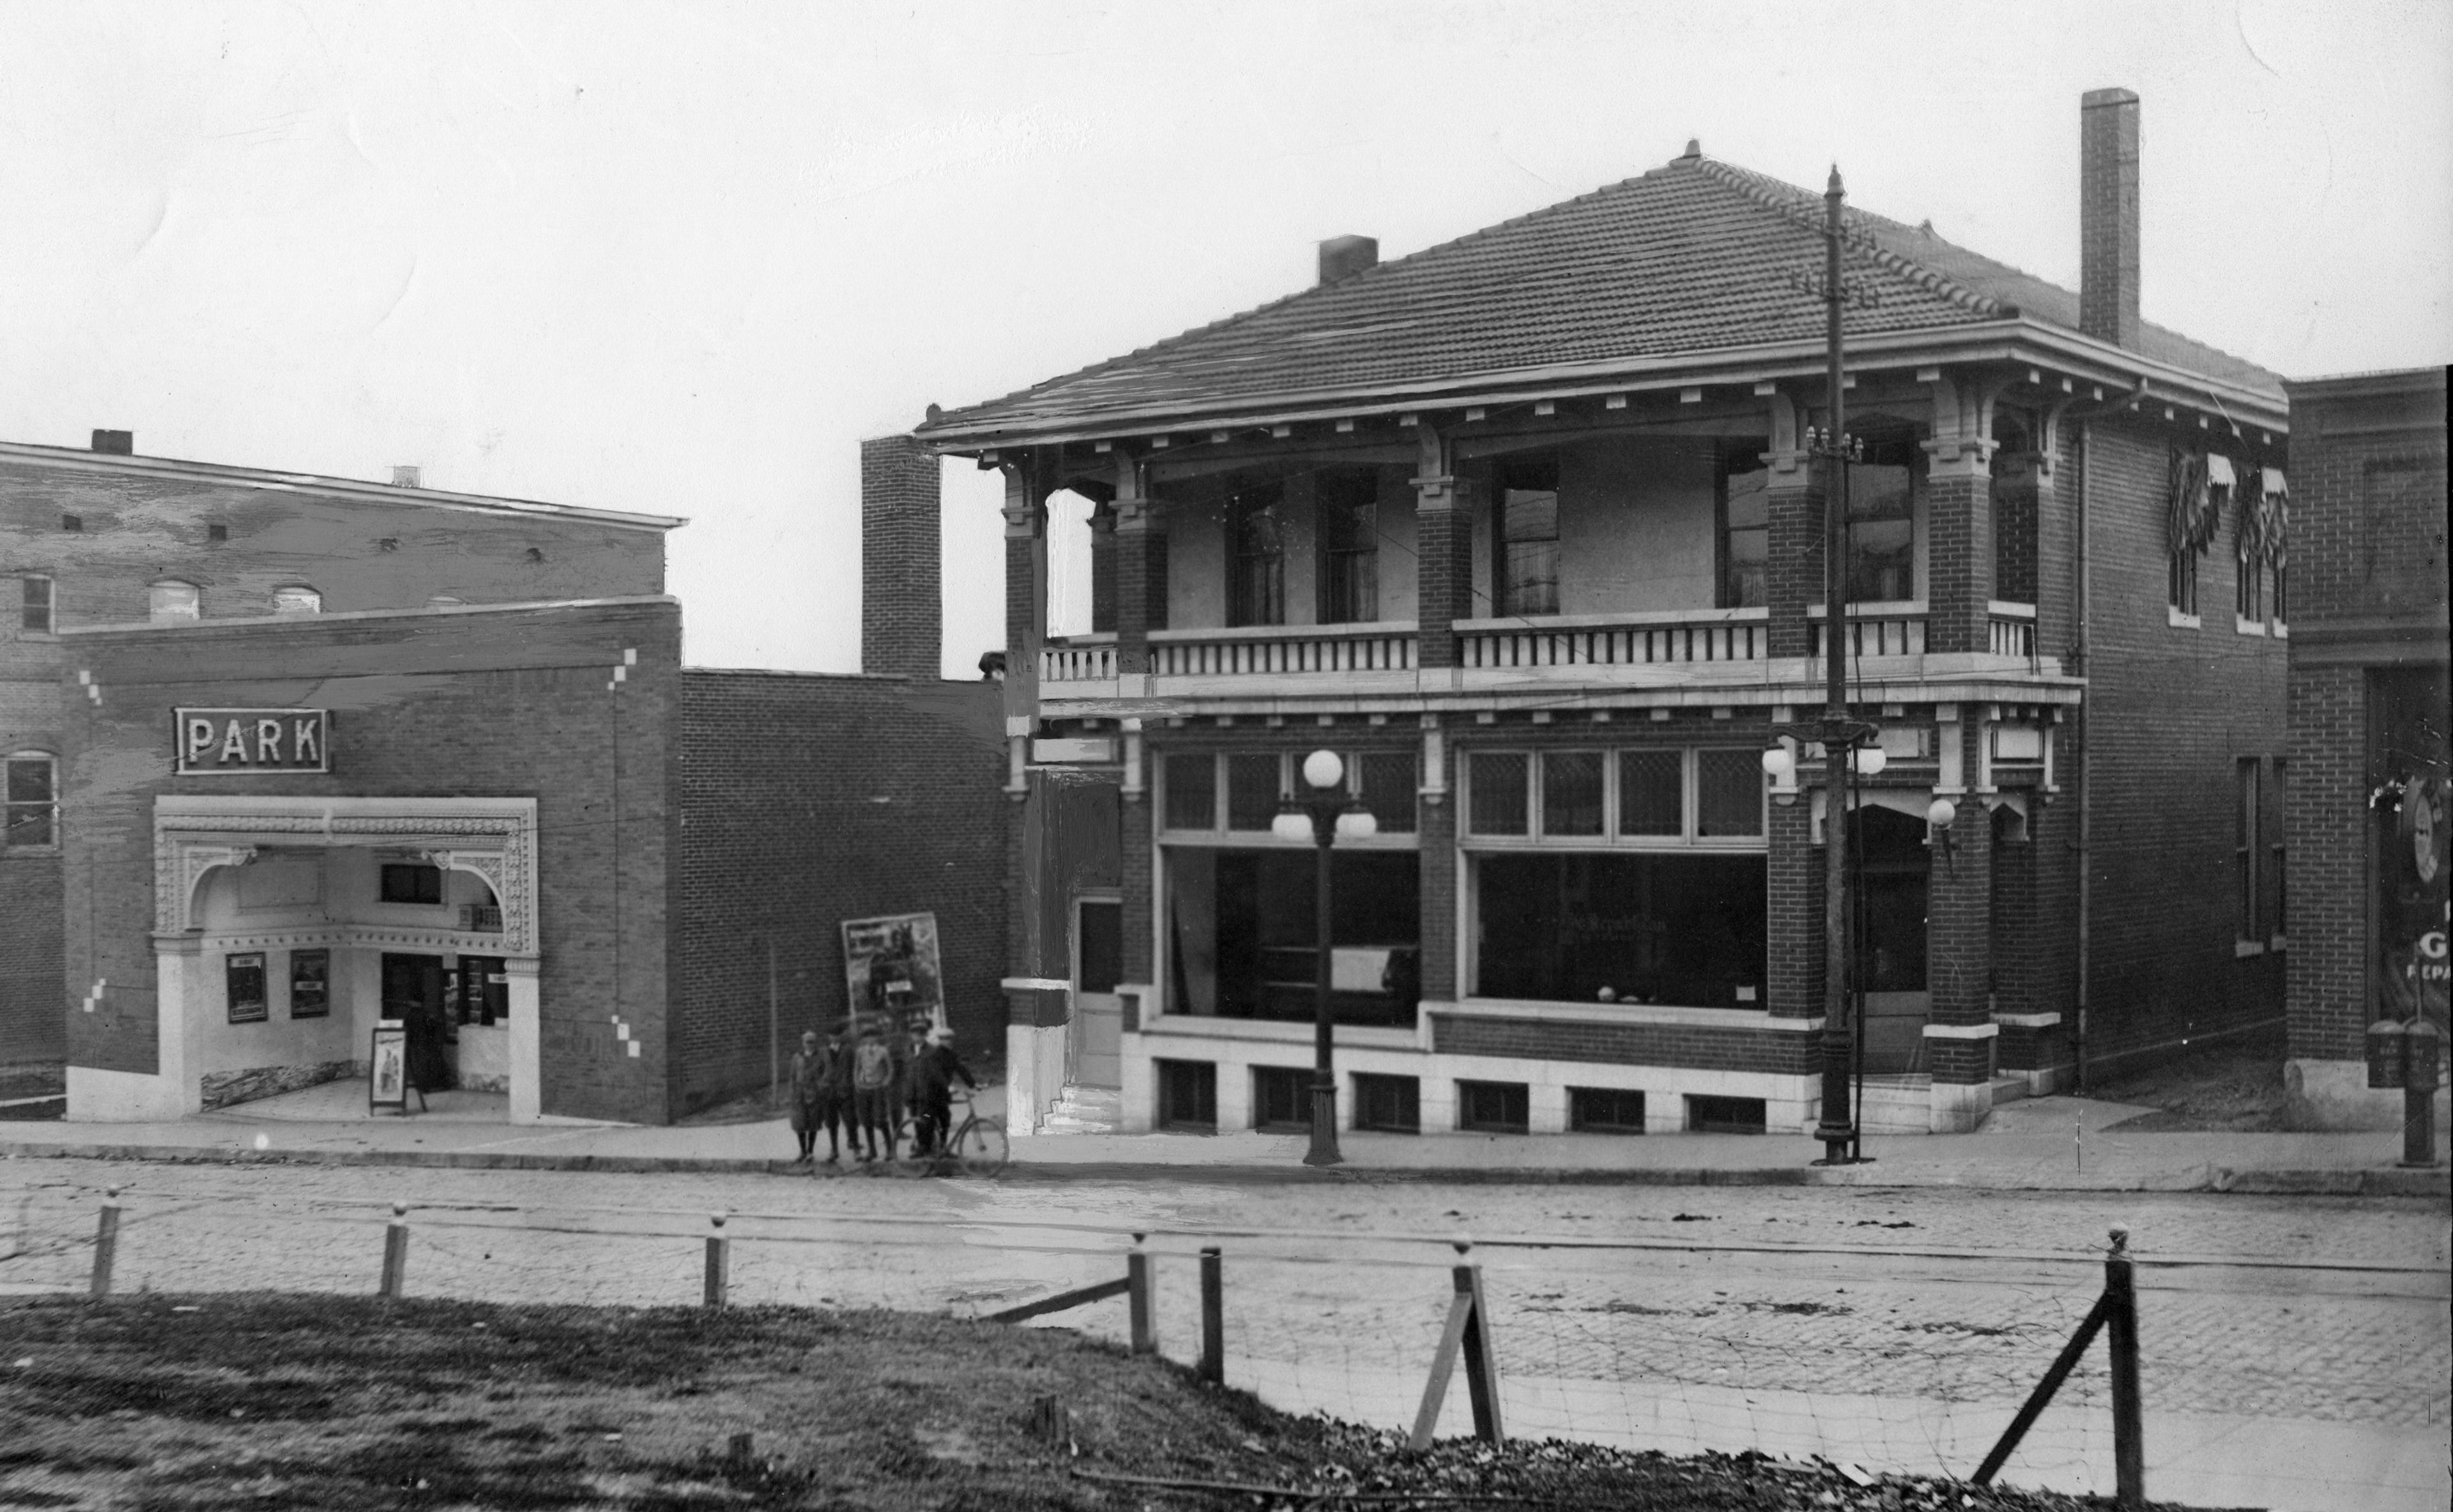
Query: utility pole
1836, 1129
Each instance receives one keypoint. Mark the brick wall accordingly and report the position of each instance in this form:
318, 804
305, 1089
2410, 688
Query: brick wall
511, 703
902, 612
2367, 589
2170, 711
808, 800
363, 550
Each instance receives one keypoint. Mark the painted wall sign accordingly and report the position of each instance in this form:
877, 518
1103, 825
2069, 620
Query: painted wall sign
238, 741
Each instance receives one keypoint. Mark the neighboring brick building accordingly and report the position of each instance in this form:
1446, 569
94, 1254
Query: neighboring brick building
1525, 527
608, 885
108, 537
2370, 707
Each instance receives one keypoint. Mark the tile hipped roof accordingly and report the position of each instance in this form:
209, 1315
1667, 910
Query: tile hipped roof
1691, 267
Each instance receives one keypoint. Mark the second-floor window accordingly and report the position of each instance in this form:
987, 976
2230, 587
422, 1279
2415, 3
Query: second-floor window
2248, 595
1349, 500
1524, 521
1745, 533
173, 600
1256, 588
34, 600
32, 790
1882, 525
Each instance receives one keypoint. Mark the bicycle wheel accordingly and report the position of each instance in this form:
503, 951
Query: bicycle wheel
980, 1146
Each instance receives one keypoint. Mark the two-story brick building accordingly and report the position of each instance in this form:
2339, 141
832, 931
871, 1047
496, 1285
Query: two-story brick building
2370, 707
1524, 527
293, 756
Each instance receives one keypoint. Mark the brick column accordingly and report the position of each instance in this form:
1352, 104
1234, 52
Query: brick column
1793, 988
1103, 568
1959, 929
1959, 545
1025, 595
1444, 562
1436, 835
1137, 869
1141, 582
1793, 573
2328, 999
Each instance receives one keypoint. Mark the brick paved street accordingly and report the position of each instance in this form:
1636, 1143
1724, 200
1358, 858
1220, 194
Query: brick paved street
1777, 1308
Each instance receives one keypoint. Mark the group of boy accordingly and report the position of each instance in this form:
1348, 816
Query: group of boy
862, 1088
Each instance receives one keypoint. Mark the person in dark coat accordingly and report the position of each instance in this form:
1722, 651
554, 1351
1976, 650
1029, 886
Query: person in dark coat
933, 1073
833, 1107
808, 1070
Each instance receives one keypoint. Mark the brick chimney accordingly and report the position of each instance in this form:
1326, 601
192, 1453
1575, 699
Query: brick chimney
901, 608
2107, 216
115, 443
1345, 257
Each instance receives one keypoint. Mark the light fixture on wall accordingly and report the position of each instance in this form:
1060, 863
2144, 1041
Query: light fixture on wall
1323, 817
1941, 813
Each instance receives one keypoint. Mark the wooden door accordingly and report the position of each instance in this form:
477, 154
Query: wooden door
1093, 1044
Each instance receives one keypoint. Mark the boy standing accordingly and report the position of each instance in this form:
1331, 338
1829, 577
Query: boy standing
872, 1091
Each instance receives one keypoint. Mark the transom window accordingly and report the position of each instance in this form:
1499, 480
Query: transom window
33, 788
1646, 797
1244, 788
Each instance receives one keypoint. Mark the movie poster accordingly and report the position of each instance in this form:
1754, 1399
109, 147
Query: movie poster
891, 970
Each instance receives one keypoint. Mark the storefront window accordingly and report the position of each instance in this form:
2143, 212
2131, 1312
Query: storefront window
1655, 927
1242, 942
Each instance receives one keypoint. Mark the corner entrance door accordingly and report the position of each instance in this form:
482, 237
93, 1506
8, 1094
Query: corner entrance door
1897, 871
1093, 1044
412, 992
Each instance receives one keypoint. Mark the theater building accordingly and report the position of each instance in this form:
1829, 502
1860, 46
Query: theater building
1523, 528
609, 884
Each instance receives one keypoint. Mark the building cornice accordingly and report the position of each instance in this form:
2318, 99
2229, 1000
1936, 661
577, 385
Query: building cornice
220, 475
2014, 340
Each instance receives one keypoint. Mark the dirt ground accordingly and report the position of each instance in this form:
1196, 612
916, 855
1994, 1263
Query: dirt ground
2235, 1086
284, 1401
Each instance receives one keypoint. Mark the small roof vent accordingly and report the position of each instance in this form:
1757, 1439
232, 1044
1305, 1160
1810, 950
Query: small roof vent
1694, 153
405, 476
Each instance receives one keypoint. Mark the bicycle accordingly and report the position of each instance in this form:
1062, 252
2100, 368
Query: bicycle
976, 1148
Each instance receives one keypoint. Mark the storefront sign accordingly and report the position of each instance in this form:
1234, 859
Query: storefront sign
235, 742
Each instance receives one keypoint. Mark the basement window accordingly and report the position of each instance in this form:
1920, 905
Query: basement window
171, 600
1188, 1096
34, 604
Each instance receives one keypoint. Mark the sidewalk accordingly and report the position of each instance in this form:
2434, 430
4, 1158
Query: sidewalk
2055, 1144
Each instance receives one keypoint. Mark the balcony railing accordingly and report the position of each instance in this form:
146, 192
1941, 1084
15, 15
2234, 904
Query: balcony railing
1874, 630
1079, 659
1283, 650
1615, 639
2014, 629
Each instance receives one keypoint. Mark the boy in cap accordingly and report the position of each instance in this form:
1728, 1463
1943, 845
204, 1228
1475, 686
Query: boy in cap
809, 1073
872, 1091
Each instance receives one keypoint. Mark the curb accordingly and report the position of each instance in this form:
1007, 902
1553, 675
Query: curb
2390, 1181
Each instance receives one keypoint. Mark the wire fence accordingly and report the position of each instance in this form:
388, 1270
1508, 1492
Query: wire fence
1904, 1359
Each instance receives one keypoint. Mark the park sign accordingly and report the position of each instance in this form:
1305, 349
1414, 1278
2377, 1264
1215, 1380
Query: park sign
243, 742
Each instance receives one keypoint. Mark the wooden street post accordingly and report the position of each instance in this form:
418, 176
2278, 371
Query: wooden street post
1468, 1332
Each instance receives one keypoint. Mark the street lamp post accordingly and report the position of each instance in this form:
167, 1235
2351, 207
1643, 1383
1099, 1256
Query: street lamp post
1836, 1129
1323, 817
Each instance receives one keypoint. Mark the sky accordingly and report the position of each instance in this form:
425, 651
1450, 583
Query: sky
681, 258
